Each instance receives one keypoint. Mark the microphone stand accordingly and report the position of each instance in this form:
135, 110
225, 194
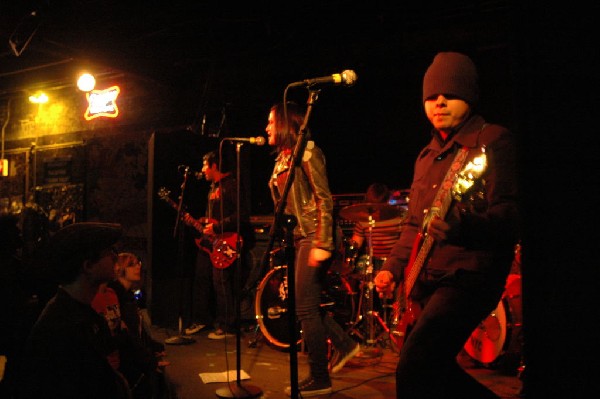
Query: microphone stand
238, 390
290, 255
178, 233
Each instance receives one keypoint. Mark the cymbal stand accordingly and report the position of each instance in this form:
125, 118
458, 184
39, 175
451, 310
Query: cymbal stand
368, 291
366, 308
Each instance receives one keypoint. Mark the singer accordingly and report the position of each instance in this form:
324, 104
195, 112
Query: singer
311, 203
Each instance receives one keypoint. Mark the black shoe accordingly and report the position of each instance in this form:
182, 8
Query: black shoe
310, 387
339, 359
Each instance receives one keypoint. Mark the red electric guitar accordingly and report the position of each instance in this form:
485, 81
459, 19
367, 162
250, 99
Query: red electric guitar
455, 185
220, 247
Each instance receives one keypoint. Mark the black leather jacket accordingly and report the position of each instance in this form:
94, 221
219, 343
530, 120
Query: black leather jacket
309, 198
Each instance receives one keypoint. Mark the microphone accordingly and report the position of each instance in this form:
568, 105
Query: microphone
259, 140
347, 78
187, 169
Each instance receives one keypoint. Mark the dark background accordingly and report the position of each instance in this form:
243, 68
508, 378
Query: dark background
538, 77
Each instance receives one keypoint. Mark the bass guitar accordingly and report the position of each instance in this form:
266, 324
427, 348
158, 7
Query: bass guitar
456, 184
221, 248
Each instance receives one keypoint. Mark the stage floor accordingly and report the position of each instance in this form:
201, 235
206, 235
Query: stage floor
269, 367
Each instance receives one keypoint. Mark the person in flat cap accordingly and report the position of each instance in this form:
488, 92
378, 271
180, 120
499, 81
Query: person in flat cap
65, 354
455, 252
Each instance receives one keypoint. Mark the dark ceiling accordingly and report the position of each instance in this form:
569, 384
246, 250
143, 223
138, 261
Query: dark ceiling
193, 45
219, 56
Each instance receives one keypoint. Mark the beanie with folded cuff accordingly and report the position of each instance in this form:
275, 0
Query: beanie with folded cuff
453, 74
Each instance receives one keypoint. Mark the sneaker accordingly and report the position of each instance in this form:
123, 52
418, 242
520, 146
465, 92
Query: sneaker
218, 334
194, 328
339, 359
310, 387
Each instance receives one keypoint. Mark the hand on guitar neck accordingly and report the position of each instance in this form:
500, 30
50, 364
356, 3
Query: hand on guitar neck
203, 225
220, 247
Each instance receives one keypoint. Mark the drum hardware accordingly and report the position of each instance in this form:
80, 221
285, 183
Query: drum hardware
371, 212
366, 313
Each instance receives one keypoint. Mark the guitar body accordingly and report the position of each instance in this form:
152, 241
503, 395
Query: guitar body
406, 322
221, 248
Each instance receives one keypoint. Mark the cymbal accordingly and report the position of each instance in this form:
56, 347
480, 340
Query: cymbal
377, 211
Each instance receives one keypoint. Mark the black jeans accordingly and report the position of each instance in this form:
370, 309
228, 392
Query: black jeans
452, 307
203, 295
317, 325
227, 296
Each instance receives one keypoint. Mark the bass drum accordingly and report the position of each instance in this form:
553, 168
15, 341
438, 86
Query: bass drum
271, 305
500, 332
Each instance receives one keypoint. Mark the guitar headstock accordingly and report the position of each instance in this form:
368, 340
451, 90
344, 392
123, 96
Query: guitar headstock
469, 175
163, 193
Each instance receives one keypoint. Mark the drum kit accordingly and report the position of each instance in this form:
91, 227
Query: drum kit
342, 290
351, 299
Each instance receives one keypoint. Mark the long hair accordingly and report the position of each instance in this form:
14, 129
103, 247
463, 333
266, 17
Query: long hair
286, 136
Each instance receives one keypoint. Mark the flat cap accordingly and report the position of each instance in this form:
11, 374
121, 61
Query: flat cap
74, 243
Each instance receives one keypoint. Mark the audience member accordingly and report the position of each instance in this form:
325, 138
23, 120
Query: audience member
65, 355
13, 299
140, 364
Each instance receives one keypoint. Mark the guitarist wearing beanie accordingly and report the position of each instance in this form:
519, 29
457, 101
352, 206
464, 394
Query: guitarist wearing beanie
453, 257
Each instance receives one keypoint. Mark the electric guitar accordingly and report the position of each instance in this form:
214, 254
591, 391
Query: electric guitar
221, 248
454, 187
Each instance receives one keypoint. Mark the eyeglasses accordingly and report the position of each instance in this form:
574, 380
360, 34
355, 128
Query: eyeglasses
135, 263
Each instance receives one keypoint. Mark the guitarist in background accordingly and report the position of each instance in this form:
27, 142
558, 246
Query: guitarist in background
221, 217
463, 274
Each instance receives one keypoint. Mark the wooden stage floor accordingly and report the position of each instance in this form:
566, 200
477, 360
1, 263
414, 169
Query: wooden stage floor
369, 375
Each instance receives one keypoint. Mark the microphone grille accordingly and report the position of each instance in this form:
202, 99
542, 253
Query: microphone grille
260, 140
349, 77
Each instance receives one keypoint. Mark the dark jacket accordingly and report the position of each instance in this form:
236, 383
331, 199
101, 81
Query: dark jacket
65, 354
488, 219
309, 199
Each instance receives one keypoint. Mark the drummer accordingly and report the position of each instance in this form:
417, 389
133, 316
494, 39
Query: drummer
383, 229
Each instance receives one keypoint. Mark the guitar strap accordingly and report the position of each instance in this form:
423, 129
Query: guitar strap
443, 194
439, 207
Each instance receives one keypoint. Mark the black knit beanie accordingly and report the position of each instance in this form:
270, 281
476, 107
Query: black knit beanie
452, 73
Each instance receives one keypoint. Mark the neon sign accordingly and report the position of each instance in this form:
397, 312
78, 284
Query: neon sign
102, 103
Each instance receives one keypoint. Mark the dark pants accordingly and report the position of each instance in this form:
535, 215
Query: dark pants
317, 325
203, 295
452, 307
228, 293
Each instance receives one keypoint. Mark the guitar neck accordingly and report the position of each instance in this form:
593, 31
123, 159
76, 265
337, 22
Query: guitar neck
415, 269
439, 208
195, 223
